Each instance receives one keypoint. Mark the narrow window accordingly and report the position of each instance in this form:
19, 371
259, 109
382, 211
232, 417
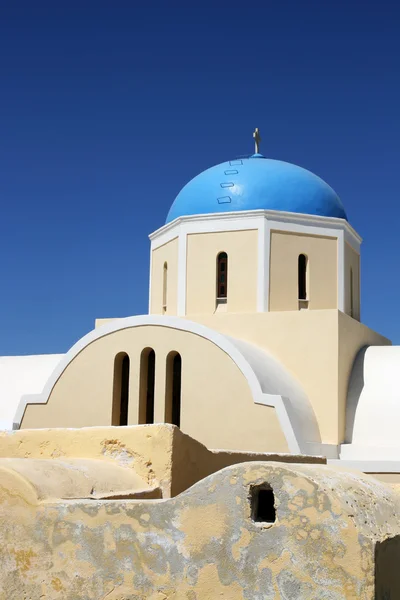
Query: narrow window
165, 284
173, 389
120, 390
222, 277
262, 503
146, 388
351, 293
302, 277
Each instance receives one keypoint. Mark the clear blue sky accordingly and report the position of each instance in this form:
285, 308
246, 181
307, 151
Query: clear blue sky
108, 108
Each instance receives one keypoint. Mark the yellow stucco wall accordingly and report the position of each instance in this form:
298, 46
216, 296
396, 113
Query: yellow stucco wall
333, 532
118, 460
309, 344
168, 253
322, 271
217, 405
352, 263
202, 251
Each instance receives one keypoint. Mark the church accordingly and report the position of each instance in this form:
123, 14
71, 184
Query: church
253, 339
240, 440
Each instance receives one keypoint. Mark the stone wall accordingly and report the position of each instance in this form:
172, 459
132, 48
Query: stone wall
318, 540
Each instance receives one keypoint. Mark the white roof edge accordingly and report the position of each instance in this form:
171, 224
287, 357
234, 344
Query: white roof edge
298, 218
247, 357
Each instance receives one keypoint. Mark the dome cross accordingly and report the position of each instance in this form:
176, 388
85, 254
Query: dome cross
257, 139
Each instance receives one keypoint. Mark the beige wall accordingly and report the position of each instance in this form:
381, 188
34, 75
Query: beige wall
317, 347
322, 271
352, 263
168, 253
202, 251
217, 405
118, 461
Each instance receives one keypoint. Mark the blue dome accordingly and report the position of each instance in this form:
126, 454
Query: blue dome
256, 183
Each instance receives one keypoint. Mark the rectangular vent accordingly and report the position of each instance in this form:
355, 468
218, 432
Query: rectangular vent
225, 185
231, 172
224, 200
235, 162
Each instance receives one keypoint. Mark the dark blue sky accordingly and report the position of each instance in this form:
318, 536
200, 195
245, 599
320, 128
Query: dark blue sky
108, 108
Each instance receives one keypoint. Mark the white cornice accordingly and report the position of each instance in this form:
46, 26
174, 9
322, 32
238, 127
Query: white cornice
275, 215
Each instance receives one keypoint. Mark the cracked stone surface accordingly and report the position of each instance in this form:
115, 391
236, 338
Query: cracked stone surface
335, 537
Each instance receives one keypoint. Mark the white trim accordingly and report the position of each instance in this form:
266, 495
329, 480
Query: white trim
292, 419
280, 405
341, 289
150, 276
290, 227
374, 452
165, 237
330, 451
220, 225
261, 271
182, 260
368, 466
267, 263
304, 220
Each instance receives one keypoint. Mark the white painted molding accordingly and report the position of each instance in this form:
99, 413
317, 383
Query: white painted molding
330, 451
368, 452
295, 414
229, 218
280, 405
262, 259
267, 263
150, 276
182, 260
368, 466
341, 289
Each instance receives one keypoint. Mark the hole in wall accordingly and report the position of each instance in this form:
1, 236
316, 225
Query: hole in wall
262, 503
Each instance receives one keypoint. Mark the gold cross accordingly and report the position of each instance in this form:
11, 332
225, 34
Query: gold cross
257, 140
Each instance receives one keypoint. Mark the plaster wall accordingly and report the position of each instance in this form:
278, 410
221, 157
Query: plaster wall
322, 271
156, 457
202, 251
317, 347
335, 535
168, 253
217, 407
352, 263
352, 337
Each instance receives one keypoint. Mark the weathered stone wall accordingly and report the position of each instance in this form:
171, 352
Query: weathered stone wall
204, 544
160, 455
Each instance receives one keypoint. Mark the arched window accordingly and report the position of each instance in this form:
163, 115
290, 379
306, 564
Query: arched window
165, 284
146, 386
302, 277
120, 390
351, 293
173, 389
222, 277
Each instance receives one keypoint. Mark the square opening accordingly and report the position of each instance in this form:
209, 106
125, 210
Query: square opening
262, 502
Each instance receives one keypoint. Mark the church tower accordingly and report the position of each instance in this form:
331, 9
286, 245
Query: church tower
255, 235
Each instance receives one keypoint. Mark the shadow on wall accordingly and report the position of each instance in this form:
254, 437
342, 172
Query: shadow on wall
387, 572
354, 389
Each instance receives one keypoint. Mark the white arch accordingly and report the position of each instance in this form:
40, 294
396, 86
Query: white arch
269, 382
